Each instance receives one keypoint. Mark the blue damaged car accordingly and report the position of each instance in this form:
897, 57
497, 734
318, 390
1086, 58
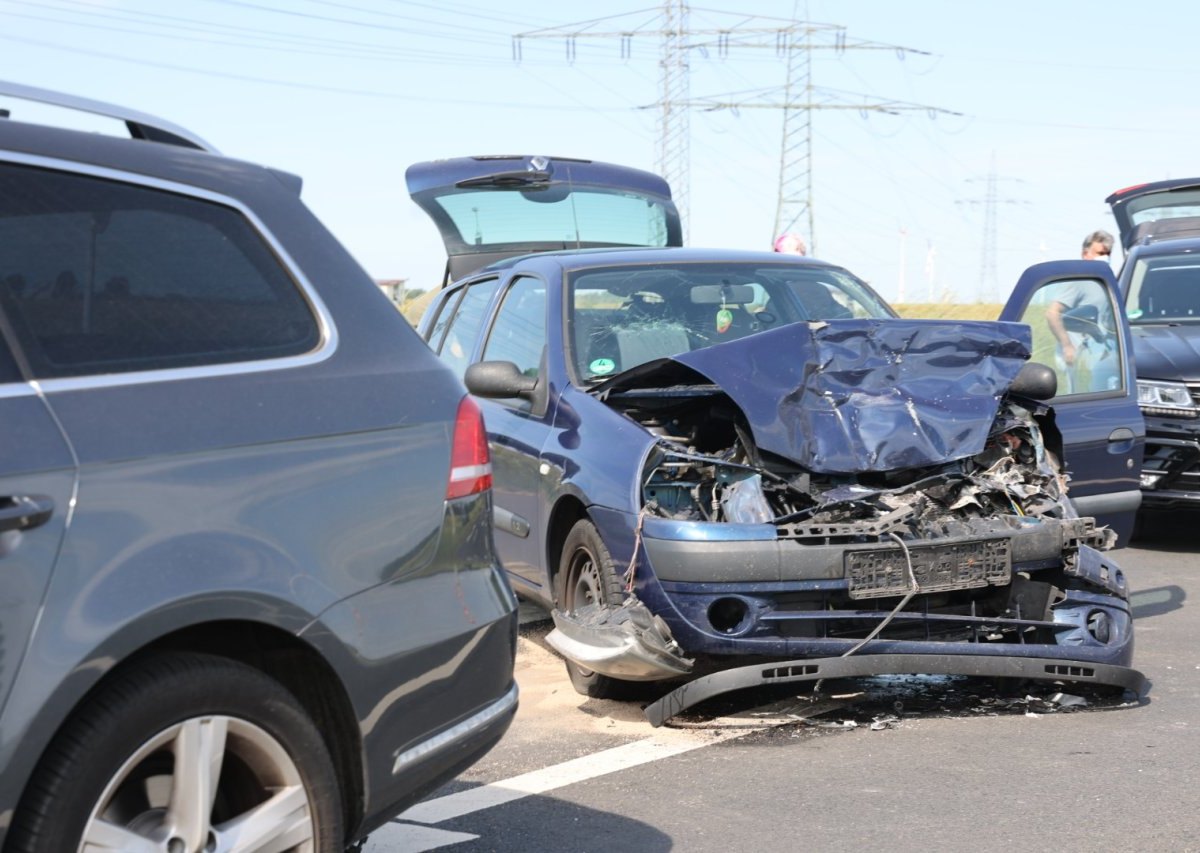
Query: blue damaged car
739, 468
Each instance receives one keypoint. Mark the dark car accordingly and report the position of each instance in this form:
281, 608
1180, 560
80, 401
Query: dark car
705, 457
250, 597
1160, 284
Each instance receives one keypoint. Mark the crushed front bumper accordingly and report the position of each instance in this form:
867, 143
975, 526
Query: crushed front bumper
627, 642
857, 666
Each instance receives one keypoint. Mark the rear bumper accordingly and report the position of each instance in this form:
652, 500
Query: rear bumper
857, 666
483, 727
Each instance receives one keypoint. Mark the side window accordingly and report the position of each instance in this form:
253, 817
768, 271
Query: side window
465, 324
519, 333
97, 276
1074, 327
445, 310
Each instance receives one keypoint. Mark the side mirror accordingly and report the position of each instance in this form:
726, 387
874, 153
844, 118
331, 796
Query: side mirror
1084, 320
499, 380
1035, 380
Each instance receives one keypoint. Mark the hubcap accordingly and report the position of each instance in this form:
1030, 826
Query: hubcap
206, 784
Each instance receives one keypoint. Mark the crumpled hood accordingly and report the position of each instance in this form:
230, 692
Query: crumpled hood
1169, 353
851, 396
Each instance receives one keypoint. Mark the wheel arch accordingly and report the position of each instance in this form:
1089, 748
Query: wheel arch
567, 512
304, 672
275, 652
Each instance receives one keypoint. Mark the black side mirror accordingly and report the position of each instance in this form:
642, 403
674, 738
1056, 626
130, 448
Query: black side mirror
499, 380
1084, 320
1035, 380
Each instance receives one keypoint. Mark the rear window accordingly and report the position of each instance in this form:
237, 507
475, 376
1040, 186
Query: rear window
505, 217
99, 276
1164, 205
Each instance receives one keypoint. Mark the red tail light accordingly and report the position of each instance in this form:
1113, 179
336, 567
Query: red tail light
470, 463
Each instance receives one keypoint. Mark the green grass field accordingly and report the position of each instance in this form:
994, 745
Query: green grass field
948, 310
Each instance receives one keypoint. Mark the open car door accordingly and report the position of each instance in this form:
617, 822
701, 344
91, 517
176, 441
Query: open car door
1080, 330
495, 207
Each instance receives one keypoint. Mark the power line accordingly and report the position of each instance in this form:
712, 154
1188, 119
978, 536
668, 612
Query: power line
790, 40
988, 284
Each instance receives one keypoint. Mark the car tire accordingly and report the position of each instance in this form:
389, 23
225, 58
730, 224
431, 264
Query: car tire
586, 576
111, 776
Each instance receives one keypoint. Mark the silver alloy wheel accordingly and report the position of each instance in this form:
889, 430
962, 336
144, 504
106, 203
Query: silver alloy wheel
214, 784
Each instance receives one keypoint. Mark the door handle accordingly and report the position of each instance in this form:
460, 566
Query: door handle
1120, 440
24, 512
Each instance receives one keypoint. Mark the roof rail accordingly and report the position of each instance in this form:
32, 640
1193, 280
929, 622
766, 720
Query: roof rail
140, 125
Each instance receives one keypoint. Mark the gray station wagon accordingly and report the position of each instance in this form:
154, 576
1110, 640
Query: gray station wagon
250, 598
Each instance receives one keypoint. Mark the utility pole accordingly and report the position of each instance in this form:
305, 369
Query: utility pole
674, 131
988, 282
792, 41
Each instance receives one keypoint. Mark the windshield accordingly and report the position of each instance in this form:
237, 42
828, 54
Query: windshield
1164, 290
490, 217
620, 317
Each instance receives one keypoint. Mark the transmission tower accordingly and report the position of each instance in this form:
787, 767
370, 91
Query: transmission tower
988, 282
793, 41
674, 132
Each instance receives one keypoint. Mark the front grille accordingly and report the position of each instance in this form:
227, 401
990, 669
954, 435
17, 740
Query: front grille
1178, 463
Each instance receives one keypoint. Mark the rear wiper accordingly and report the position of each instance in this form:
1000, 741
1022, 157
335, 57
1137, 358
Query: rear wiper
516, 178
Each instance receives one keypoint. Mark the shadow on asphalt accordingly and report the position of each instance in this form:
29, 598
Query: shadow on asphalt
542, 822
1157, 600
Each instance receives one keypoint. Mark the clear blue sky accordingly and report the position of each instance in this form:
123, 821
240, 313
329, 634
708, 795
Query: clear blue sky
1072, 99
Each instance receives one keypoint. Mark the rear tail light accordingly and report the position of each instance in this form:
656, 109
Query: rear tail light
470, 463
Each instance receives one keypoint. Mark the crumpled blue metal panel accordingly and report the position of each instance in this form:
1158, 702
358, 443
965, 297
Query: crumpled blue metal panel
850, 396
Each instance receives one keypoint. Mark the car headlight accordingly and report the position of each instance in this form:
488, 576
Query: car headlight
1172, 399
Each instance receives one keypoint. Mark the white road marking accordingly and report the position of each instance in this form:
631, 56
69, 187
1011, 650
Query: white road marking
410, 838
664, 744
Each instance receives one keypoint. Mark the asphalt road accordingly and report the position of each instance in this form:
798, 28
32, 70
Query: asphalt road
896, 764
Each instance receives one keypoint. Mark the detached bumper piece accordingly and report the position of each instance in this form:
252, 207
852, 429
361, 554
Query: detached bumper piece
627, 642
858, 666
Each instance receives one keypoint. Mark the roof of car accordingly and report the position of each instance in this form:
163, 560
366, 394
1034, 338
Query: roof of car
140, 125
168, 162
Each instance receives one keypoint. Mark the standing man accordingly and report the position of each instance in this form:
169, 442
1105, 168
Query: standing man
1089, 302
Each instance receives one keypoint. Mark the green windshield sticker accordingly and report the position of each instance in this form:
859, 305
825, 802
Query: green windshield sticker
601, 366
1133, 313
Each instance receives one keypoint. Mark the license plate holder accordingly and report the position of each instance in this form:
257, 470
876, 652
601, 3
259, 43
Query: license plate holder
881, 572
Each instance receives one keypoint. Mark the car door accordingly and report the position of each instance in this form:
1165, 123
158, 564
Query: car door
37, 481
455, 329
1073, 310
518, 428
